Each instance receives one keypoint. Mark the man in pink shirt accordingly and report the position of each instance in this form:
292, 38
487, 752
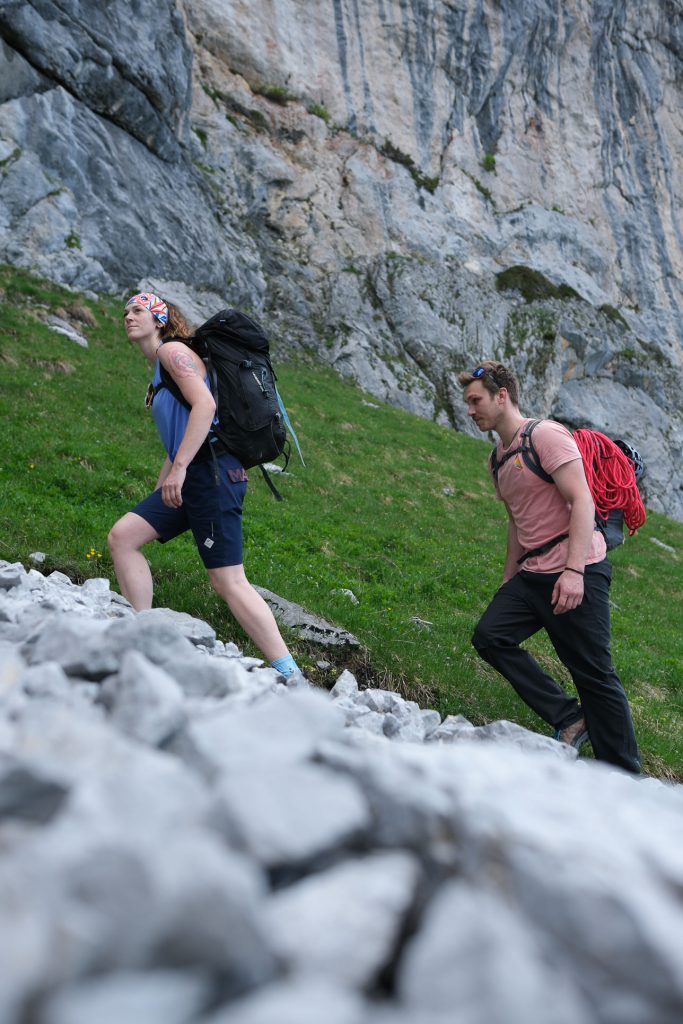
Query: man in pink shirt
556, 577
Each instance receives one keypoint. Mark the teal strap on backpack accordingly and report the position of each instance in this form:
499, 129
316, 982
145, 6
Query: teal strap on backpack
288, 424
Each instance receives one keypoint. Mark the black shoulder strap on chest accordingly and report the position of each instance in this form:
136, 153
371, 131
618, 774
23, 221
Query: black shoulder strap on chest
166, 381
528, 452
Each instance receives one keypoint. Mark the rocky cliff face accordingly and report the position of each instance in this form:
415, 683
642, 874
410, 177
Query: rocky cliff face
368, 176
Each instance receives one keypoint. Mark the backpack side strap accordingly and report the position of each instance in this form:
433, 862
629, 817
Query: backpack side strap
271, 485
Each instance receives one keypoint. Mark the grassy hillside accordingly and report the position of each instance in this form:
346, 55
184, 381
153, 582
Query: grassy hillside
393, 508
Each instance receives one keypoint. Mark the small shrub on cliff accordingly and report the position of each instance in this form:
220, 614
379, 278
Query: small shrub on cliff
392, 152
275, 93
613, 314
318, 110
532, 285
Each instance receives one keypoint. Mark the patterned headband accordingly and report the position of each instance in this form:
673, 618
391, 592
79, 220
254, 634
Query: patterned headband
154, 304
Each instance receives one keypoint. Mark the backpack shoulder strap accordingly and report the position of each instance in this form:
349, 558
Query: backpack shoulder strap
529, 453
167, 382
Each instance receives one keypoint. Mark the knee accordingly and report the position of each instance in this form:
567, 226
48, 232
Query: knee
113, 538
118, 539
481, 638
228, 585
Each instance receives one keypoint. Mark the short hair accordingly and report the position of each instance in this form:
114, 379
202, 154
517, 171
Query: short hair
495, 376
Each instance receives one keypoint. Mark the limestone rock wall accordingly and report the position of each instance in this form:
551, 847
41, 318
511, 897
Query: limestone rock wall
362, 173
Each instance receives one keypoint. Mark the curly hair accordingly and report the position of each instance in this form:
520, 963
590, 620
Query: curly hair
495, 376
177, 325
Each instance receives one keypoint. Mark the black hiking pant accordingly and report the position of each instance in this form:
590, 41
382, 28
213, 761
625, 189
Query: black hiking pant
581, 638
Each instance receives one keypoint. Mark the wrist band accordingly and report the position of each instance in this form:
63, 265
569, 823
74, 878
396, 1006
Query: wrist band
568, 568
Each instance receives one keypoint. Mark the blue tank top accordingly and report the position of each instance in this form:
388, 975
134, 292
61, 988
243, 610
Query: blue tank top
170, 415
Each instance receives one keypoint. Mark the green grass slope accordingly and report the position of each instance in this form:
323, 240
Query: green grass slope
394, 508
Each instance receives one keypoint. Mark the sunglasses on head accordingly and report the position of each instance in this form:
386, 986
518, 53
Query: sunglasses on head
481, 371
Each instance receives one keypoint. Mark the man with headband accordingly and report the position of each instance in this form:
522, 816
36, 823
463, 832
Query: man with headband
201, 486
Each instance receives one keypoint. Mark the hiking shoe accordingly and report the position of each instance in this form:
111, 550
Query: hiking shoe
574, 735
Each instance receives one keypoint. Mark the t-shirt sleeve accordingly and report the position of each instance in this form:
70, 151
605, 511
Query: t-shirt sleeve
554, 444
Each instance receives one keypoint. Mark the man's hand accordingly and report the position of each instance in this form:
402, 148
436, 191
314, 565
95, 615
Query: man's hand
172, 487
567, 592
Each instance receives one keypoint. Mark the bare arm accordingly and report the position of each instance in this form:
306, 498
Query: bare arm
163, 472
188, 372
570, 481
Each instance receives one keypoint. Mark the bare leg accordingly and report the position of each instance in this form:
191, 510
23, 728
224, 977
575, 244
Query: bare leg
249, 608
126, 537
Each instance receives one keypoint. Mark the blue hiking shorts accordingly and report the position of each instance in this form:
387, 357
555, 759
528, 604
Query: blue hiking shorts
211, 509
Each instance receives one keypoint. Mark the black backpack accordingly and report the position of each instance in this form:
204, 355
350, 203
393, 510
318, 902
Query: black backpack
613, 469
252, 420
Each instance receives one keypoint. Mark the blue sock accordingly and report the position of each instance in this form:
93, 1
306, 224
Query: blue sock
286, 665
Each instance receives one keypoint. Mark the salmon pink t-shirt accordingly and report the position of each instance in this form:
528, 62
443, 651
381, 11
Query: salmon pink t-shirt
538, 509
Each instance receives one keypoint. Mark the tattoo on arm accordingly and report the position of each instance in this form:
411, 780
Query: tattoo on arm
183, 365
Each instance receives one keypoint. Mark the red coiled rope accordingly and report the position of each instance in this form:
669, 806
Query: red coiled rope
611, 478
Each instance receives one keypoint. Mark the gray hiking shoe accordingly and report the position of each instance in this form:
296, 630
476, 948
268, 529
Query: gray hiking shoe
574, 735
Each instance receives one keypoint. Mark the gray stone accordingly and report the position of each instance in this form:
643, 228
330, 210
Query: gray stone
74, 642
47, 680
661, 544
276, 730
305, 624
12, 668
11, 575
210, 918
383, 701
202, 676
112, 778
136, 997
517, 735
96, 587
345, 686
475, 953
431, 720
411, 729
372, 722
410, 805
289, 814
25, 794
60, 326
195, 630
144, 701
453, 727
151, 86
294, 1000
154, 636
345, 923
